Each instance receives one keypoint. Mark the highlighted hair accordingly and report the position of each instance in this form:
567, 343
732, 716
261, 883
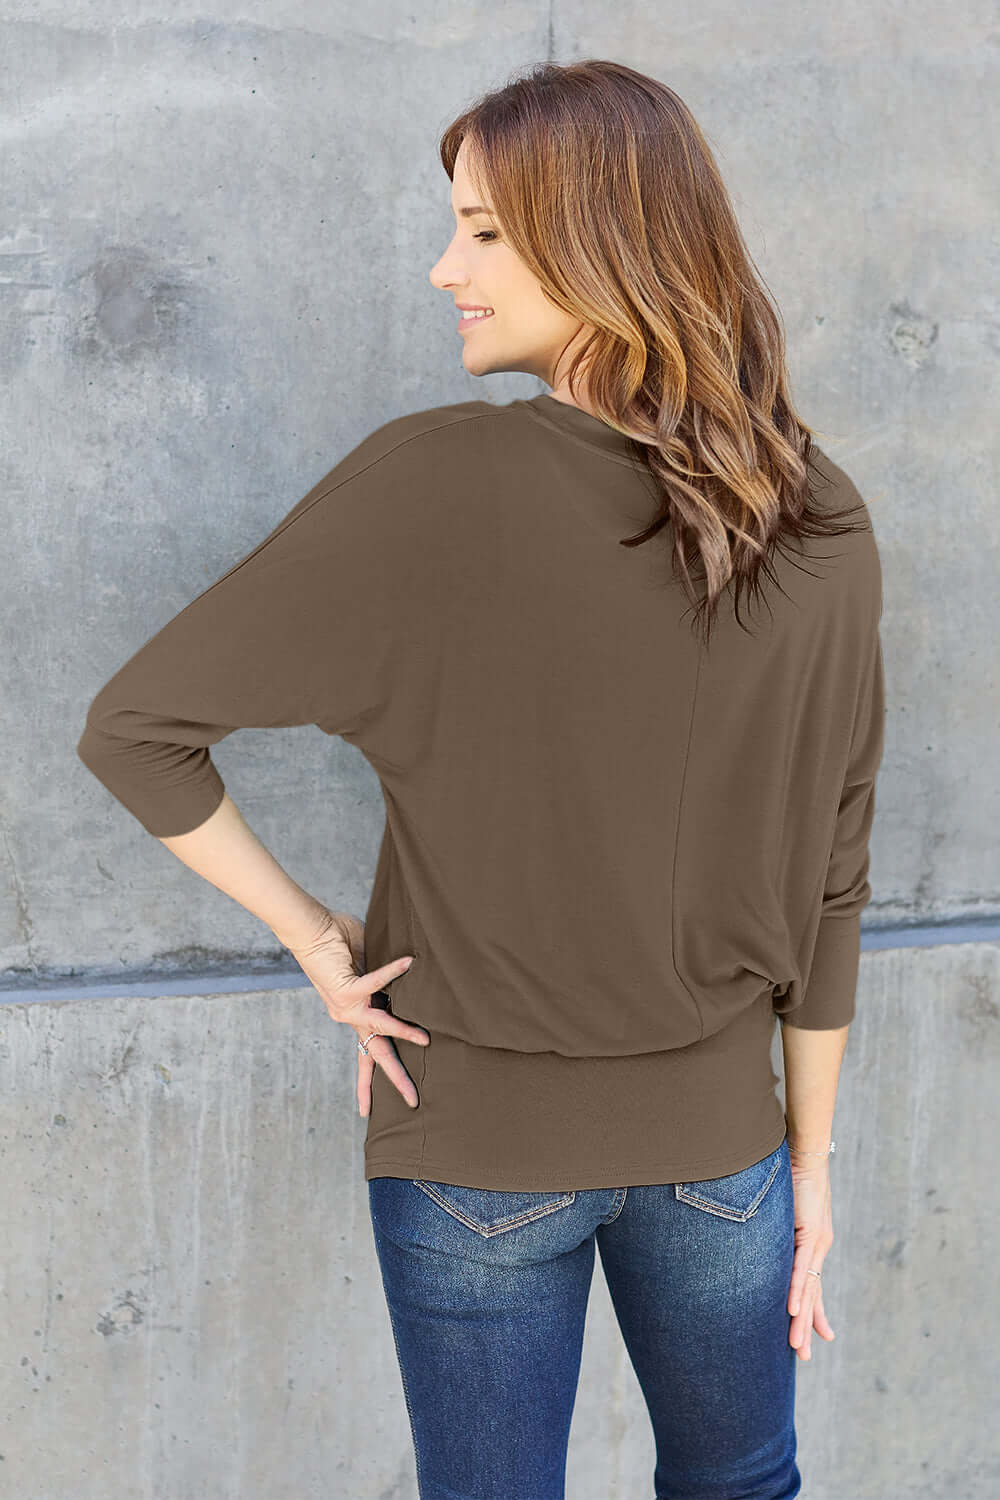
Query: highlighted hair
605, 187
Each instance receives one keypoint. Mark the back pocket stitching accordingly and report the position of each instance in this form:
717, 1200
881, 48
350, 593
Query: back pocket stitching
513, 1221
682, 1190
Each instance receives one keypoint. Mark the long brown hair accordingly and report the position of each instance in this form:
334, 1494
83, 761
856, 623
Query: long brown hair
606, 188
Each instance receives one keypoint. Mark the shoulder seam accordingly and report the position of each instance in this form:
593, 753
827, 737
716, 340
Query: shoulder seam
289, 521
441, 426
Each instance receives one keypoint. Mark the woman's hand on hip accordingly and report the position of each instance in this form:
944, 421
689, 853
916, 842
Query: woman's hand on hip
334, 961
813, 1238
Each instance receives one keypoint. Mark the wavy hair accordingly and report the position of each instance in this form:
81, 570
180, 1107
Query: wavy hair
608, 191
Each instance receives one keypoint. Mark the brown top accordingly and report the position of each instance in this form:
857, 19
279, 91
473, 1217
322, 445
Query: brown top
615, 853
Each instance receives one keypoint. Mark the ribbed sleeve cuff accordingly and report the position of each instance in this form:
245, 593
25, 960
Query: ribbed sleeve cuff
168, 797
833, 978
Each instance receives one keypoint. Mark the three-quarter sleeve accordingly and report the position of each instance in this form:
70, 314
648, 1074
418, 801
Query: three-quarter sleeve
829, 998
298, 632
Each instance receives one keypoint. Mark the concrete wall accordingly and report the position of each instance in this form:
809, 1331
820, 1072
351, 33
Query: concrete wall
215, 258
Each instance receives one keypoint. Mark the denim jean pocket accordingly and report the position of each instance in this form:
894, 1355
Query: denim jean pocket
492, 1211
737, 1196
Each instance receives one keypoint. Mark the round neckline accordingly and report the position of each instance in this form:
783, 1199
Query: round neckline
583, 425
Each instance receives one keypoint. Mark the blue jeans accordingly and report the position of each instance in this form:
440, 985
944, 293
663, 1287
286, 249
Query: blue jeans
487, 1294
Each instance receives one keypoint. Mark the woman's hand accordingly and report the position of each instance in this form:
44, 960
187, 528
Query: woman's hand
813, 1238
334, 960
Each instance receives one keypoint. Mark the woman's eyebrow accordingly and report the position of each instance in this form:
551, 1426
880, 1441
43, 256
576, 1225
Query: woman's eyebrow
476, 208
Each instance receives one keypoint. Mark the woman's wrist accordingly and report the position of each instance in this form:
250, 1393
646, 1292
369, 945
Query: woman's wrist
812, 1150
306, 926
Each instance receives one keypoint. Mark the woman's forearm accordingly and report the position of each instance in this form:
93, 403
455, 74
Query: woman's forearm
229, 855
812, 1072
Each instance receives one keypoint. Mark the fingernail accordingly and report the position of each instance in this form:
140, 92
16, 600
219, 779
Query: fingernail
795, 1308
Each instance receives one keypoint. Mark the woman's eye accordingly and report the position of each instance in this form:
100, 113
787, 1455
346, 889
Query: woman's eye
485, 234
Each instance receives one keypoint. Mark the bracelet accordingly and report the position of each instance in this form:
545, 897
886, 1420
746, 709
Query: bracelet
833, 1147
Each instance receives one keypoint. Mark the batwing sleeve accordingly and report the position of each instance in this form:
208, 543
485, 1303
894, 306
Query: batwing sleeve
300, 631
829, 998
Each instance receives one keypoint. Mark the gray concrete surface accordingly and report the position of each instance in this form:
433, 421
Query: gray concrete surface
215, 252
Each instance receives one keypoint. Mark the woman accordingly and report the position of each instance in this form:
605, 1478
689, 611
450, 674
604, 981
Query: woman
625, 827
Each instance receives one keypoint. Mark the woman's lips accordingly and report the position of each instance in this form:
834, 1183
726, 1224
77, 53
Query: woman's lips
473, 322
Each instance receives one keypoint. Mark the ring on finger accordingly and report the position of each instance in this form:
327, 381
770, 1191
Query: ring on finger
363, 1046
